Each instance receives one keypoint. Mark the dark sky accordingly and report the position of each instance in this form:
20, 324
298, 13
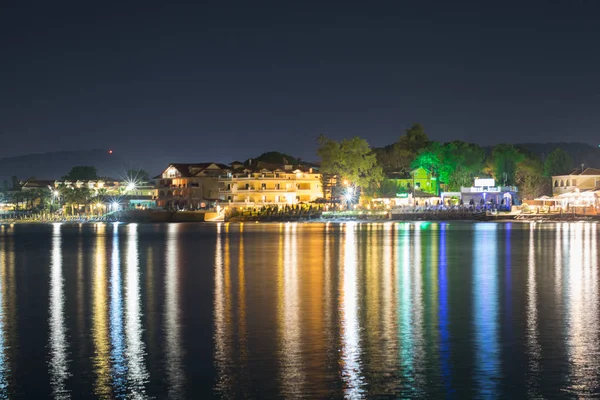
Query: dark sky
229, 80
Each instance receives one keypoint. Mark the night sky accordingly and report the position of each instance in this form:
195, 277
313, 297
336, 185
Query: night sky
224, 80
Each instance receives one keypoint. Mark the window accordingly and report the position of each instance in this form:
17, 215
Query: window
263, 186
277, 186
418, 185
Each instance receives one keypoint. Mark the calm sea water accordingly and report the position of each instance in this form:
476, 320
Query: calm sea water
456, 310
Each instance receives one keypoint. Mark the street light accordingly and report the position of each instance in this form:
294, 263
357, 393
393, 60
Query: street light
349, 196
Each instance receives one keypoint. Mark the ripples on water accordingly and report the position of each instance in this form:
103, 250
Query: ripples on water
286, 310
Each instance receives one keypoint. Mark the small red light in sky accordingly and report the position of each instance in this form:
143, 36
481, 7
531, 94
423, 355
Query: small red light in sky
110, 152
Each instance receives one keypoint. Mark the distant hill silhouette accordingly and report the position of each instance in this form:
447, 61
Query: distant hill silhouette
581, 153
54, 165
273, 157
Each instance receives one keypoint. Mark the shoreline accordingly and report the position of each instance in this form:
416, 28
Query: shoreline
503, 219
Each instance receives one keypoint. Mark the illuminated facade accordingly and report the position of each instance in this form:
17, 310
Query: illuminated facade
418, 179
266, 186
485, 191
576, 180
189, 185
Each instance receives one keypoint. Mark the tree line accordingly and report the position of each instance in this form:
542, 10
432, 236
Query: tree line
455, 164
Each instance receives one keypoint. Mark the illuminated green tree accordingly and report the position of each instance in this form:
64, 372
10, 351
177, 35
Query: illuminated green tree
456, 163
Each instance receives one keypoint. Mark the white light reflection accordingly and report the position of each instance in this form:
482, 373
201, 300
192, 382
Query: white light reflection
485, 299
117, 353
351, 364
175, 373
583, 330
405, 316
222, 357
59, 361
387, 281
100, 333
136, 369
558, 263
417, 311
533, 346
291, 368
4, 366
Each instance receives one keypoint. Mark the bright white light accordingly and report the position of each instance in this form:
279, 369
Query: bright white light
349, 196
55, 193
114, 206
130, 186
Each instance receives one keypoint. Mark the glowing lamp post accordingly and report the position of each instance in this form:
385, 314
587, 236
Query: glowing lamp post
55, 197
349, 196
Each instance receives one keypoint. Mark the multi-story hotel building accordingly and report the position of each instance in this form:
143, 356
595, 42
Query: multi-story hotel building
268, 185
189, 185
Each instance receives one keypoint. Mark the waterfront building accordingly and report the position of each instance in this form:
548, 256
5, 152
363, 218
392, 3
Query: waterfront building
417, 180
270, 185
485, 191
189, 186
579, 180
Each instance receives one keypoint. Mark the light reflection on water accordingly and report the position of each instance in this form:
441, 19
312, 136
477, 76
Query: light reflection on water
582, 312
351, 310
174, 352
292, 377
485, 303
533, 345
58, 337
100, 327
136, 369
351, 342
4, 362
118, 356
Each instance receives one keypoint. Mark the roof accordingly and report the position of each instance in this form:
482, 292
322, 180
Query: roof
187, 170
587, 171
399, 175
262, 166
35, 184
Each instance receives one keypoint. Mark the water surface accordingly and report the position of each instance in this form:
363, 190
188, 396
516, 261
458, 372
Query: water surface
455, 310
